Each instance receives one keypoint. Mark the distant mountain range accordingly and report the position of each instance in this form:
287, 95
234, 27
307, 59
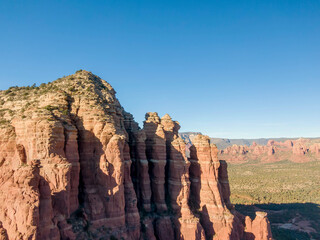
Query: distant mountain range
223, 143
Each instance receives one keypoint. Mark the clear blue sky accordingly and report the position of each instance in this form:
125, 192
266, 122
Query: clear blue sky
236, 69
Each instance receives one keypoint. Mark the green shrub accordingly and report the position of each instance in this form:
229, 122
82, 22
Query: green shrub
50, 108
7, 92
10, 112
72, 89
65, 112
4, 122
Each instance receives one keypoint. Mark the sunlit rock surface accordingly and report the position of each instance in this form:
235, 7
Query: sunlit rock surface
75, 165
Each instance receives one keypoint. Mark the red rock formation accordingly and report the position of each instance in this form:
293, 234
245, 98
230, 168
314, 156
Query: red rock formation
288, 143
259, 228
75, 165
271, 151
315, 148
156, 155
216, 218
188, 225
301, 150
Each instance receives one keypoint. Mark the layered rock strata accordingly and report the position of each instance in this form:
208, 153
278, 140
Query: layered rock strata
75, 165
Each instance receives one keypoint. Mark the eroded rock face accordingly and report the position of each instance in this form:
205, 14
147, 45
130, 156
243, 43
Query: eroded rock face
211, 197
259, 228
75, 165
156, 155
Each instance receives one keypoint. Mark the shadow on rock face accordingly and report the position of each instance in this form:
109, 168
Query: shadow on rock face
289, 220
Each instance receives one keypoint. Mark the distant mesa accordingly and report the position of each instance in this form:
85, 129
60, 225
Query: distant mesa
265, 150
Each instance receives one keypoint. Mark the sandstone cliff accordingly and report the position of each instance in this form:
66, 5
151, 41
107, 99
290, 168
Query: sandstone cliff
75, 165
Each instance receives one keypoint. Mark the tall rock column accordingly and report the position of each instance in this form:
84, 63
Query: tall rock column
156, 155
216, 218
176, 165
139, 167
259, 228
102, 174
187, 225
131, 210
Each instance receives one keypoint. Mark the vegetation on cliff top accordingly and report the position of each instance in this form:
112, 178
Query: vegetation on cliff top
24, 102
